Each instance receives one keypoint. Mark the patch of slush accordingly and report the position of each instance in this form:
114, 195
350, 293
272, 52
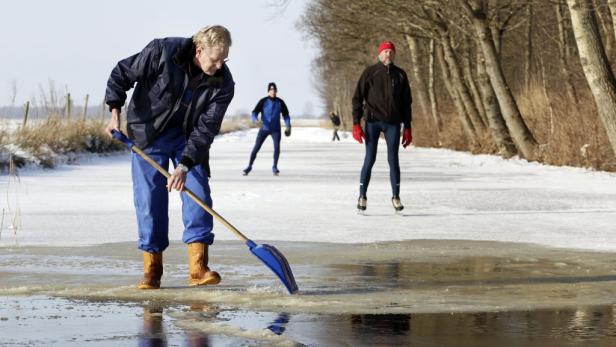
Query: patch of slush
378, 278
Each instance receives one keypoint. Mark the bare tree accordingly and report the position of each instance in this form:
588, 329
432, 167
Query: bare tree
612, 7
489, 52
498, 127
470, 78
522, 137
606, 26
467, 124
529, 46
563, 52
433, 107
595, 64
419, 87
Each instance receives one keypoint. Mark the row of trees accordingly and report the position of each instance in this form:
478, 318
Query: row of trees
514, 77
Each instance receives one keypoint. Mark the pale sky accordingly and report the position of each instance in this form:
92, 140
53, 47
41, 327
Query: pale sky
77, 43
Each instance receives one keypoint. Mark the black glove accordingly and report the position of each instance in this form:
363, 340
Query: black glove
287, 130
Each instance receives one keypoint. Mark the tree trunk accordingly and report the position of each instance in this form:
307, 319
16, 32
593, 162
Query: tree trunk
612, 6
347, 94
453, 93
460, 85
595, 64
529, 47
498, 128
563, 54
523, 138
437, 118
470, 79
605, 20
494, 25
548, 100
419, 87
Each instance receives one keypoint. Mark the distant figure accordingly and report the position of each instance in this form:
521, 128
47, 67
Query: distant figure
336, 124
270, 107
383, 99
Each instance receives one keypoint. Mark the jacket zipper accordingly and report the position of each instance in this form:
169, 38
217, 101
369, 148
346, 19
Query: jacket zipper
174, 109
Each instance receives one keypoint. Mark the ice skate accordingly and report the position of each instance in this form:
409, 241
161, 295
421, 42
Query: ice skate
395, 201
362, 204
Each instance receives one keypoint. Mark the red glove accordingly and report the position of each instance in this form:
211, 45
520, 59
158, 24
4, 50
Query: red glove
407, 137
358, 134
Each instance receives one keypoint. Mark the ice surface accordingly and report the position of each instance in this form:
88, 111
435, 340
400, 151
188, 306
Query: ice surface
69, 266
447, 194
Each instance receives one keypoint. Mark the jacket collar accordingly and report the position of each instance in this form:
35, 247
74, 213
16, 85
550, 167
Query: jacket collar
185, 53
215, 81
386, 67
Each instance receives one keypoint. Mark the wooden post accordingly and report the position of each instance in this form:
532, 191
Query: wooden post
2, 223
26, 110
85, 108
67, 106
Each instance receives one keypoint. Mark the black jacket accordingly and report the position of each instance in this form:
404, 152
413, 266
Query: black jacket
159, 71
335, 120
383, 94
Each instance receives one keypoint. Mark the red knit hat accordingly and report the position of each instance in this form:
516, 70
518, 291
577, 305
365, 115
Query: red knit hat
386, 45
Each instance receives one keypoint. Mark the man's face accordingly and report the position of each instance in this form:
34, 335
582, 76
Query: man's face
272, 92
211, 59
387, 56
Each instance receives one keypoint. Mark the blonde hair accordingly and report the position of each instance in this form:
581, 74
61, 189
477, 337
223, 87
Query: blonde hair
210, 36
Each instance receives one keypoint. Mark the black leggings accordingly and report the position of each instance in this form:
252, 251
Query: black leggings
392, 138
261, 136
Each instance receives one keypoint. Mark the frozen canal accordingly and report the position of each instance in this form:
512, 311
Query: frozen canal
423, 292
486, 251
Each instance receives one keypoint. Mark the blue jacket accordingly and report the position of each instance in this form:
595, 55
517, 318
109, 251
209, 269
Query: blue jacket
160, 77
270, 109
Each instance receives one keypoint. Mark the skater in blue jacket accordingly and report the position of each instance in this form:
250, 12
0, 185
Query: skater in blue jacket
270, 107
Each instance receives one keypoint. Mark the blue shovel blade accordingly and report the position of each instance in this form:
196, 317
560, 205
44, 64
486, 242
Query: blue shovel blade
274, 260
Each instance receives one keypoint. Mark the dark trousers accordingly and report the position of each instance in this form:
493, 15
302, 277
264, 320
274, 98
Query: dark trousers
261, 136
336, 137
392, 138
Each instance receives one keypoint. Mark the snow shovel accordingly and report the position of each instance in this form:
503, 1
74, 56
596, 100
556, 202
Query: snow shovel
268, 254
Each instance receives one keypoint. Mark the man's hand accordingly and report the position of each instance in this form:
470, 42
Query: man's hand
407, 137
114, 123
358, 134
287, 130
177, 179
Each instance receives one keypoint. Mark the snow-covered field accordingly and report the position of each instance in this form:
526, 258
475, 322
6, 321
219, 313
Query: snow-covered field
448, 195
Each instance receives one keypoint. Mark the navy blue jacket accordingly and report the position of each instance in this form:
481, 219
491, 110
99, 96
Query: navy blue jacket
161, 78
270, 109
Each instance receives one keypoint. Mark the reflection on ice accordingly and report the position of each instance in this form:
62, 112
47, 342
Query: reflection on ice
278, 326
153, 333
60, 322
385, 324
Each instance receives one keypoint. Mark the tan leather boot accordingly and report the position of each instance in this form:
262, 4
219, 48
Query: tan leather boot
152, 270
200, 274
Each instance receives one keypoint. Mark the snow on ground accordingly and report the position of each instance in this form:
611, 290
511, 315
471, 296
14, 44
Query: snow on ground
447, 194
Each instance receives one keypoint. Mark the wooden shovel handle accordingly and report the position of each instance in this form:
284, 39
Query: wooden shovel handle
188, 192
